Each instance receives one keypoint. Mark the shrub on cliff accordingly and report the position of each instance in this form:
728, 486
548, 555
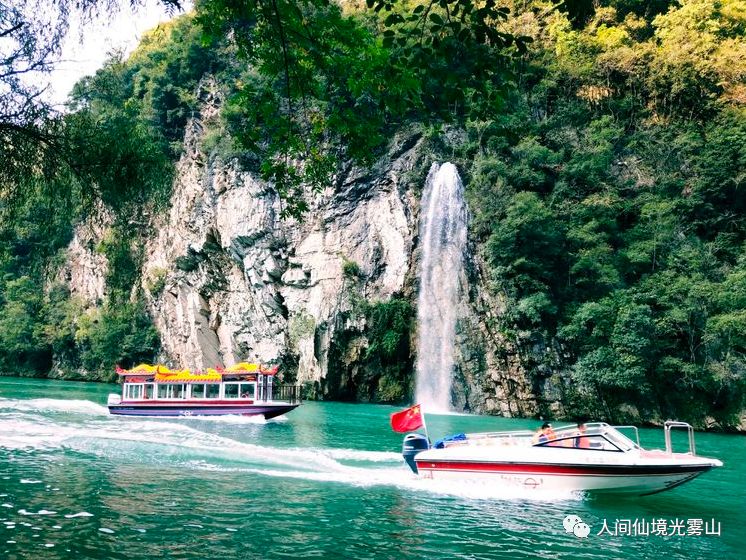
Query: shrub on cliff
388, 356
121, 334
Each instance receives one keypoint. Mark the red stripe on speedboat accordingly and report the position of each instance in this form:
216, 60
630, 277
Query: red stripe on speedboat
528, 468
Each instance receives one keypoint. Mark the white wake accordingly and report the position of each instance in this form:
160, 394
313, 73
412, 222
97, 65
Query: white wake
183, 446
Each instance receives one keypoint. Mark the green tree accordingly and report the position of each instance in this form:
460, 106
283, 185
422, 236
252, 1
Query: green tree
526, 248
32, 136
21, 345
120, 334
389, 354
326, 81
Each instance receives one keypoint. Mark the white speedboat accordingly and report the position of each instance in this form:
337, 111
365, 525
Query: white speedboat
596, 457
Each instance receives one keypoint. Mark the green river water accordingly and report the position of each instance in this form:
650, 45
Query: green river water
326, 481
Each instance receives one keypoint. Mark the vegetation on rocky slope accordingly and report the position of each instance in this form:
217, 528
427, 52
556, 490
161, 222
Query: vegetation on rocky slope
123, 135
609, 198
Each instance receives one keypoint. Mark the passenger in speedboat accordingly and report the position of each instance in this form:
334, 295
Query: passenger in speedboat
545, 433
582, 442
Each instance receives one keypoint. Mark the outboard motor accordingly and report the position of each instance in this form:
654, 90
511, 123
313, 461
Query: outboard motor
413, 444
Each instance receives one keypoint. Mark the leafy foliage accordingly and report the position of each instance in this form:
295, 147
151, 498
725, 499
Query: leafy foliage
114, 151
350, 269
21, 347
324, 82
120, 334
458, 50
614, 221
33, 139
388, 353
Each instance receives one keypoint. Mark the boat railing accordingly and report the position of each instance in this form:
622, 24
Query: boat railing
598, 426
510, 434
567, 429
287, 393
671, 424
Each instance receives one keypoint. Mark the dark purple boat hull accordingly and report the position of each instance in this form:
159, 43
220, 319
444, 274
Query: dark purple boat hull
172, 410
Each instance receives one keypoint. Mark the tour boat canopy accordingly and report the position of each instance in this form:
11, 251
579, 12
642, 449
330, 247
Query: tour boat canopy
163, 374
187, 377
245, 367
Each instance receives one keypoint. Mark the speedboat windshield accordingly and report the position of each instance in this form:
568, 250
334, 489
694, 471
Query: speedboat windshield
620, 440
597, 436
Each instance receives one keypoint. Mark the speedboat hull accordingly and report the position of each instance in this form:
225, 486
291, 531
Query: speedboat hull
212, 409
593, 458
618, 479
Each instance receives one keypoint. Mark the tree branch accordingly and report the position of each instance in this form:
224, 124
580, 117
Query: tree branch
11, 30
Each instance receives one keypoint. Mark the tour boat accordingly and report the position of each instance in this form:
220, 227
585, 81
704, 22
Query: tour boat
243, 389
593, 457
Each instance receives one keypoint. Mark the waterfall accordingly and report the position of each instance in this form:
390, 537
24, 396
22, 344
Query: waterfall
443, 242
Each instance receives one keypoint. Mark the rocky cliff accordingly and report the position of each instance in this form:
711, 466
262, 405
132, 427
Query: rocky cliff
227, 279
238, 282
84, 270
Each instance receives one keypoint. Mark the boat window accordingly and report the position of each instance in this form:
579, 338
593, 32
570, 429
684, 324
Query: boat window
247, 390
213, 390
597, 443
133, 391
164, 391
149, 391
198, 391
602, 444
231, 390
557, 442
179, 391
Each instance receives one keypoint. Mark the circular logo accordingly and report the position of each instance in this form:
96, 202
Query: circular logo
581, 530
570, 522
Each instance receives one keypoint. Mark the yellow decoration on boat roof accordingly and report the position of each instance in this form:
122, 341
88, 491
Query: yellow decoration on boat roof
165, 374
164, 370
243, 367
170, 375
185, 376
143, 368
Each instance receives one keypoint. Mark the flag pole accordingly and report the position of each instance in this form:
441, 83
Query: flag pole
424, 425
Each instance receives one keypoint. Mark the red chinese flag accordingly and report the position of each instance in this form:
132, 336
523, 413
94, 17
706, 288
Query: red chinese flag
407, 420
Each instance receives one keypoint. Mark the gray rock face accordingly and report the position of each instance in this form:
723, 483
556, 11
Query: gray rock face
239, 283
85, 268
490, 372
226, 279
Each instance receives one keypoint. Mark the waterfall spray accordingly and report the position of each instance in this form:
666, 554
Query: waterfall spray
443, 241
